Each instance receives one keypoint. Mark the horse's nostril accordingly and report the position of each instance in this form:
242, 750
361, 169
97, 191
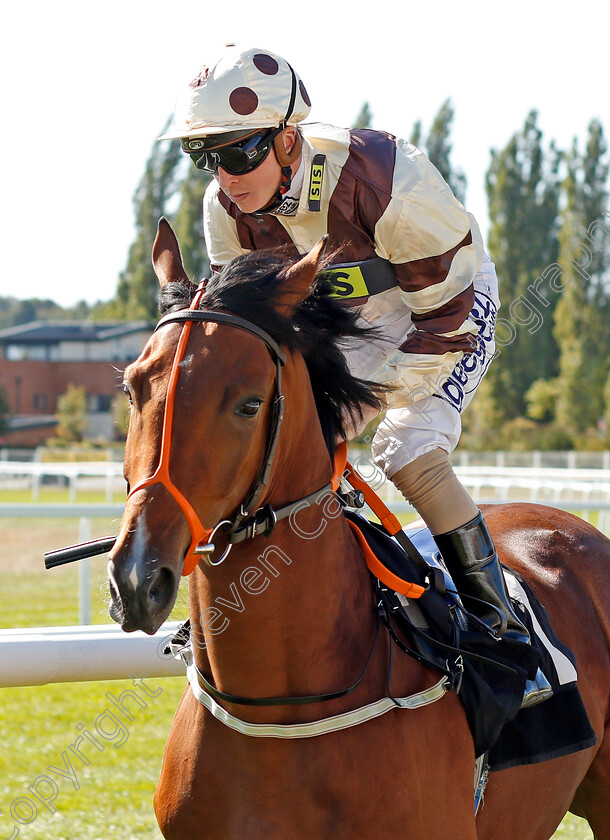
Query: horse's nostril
115, 607
114, 590
162, 586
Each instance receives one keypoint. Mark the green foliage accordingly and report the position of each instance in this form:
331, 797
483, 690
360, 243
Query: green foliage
606, 419
187, 222
121, 412
364, 118
438, 149
523, 435
573, 828
137, 289
541, 398
524, 193
14, 312
481, 420
417, 136
583, 313
168, 180
549, 239
71, 410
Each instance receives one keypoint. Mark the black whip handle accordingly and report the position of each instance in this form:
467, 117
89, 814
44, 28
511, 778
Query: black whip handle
71, 553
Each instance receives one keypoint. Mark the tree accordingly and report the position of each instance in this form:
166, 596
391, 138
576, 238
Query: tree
121, 412
606, 421
14, 312
523, 192
137, 289
71, 411
542, 398
417, 137
364, 118
583, 312
26, 311
188, 224
438, 149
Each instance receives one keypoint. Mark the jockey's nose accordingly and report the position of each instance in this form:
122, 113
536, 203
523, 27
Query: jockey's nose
225, 178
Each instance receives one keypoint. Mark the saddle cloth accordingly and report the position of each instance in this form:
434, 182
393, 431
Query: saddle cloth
439, 631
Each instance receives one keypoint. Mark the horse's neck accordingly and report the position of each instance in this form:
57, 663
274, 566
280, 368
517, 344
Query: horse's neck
293, 613
282, 611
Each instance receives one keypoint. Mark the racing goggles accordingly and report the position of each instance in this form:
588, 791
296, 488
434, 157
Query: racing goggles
235, 158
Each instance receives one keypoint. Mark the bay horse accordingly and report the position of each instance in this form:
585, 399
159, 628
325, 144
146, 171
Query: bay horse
290, 613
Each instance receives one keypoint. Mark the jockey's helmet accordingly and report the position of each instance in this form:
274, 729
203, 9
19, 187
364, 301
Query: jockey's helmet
244, 91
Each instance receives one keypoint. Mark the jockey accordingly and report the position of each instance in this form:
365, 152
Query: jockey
408, 255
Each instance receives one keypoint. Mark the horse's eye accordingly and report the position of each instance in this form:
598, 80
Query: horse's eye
127, 392
249, 408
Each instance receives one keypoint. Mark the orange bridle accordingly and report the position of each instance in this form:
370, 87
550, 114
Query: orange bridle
162, 475
201, 537
249, 521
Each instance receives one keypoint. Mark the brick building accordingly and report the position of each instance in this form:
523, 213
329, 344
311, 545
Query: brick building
40, 359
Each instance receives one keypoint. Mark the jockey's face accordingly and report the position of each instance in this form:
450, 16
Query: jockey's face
254, 190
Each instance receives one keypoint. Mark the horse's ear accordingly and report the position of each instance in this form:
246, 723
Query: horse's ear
166, 256
300, 278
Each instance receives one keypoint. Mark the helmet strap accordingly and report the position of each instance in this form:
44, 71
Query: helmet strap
285, 160
284, 186
285, 181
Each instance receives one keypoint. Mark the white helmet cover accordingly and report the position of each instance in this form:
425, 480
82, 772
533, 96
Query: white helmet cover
244, 90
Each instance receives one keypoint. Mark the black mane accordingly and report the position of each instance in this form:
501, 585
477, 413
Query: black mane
320, 329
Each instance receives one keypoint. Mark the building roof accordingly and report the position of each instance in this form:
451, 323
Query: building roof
53, 332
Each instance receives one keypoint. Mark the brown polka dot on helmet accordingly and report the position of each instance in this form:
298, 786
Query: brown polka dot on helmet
265, 63
245, 89
243, 101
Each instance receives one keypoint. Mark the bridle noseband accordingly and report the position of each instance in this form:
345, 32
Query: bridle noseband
248, 521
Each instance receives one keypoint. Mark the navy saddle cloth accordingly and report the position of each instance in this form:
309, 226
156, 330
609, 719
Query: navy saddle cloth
437, 629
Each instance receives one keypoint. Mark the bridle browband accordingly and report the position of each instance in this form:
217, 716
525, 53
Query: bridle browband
249, 520
184, 315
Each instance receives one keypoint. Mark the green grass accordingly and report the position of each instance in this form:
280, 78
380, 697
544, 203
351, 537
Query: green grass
51, 601
38, 724
114, 798
573, 828
59, 496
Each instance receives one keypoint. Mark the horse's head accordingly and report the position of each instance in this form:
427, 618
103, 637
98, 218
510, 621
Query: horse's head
204, 397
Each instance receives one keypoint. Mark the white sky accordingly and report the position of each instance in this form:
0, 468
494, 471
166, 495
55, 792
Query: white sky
86, 89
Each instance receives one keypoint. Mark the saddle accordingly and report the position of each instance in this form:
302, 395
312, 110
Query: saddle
488, 674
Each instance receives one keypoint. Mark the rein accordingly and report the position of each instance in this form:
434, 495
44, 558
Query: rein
249, 521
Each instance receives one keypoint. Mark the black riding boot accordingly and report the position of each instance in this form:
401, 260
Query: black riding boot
471, 558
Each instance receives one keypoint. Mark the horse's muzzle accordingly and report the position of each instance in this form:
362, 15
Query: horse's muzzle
142, 594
